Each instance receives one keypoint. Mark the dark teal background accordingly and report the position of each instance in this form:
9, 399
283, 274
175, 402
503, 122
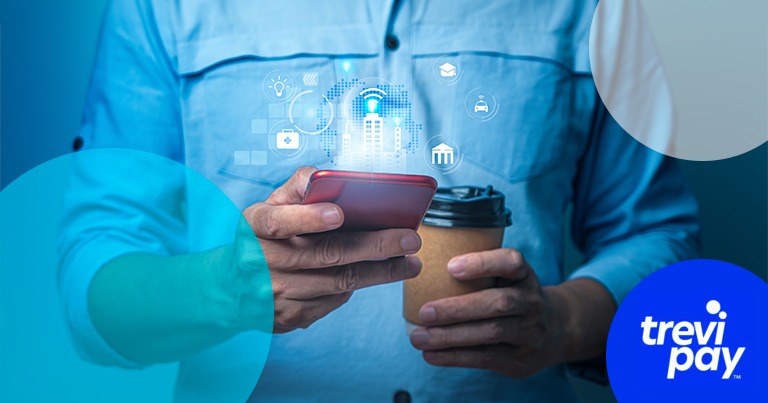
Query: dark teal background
46, 53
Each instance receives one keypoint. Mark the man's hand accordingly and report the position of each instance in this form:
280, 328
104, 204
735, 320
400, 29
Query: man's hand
518, 328
313, 275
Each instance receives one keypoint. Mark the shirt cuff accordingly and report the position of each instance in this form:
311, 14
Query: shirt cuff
621, 266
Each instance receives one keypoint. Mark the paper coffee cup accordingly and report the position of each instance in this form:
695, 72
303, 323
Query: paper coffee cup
459, 220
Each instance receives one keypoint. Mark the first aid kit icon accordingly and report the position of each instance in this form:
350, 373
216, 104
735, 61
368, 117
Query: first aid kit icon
287, 139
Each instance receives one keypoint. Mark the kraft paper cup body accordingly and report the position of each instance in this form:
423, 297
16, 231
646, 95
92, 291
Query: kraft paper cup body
460, 220
439, 245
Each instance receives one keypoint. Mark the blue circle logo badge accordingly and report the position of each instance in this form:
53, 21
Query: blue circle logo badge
692, 331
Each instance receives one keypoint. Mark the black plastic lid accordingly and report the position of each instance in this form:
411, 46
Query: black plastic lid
468, 207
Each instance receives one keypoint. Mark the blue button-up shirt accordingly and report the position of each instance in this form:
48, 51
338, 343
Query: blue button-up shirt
189, 80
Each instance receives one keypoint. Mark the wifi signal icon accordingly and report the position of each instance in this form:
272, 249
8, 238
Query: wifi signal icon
372, 96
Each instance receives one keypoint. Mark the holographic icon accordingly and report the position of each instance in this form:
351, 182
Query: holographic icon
373, 130
398, 134
481, 105
307, 103
279, 86
242, 158
245, 157
442, 154
287, 139
371, 97
285, 142
447, 70
310, 79
373, 136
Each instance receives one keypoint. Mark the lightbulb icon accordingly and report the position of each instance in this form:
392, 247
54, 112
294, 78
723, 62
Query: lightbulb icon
279, 86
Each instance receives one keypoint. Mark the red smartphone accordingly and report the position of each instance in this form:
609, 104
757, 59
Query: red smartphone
373, 201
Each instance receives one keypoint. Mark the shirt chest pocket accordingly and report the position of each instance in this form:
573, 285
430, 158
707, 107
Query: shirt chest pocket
247, 102
512, 103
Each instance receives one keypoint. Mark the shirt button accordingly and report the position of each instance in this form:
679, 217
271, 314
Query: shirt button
392, 42
77, 144
402, 396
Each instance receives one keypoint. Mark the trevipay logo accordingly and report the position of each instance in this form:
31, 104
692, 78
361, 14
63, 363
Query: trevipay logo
694, 331
694, 344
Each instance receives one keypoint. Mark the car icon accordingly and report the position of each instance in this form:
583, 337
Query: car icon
481, 106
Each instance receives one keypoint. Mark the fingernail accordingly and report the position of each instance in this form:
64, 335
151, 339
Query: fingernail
457, 265
414, 265
427, 314
410, 243
420, 337
330, 216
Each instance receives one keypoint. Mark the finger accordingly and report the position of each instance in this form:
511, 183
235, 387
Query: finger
307, 284
292, 191
485, 304
281, 222
298, 314
506, 263
468, 334
338, 249
492, 357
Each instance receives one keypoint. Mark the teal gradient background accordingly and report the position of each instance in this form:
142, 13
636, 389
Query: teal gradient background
38, 361
46, 53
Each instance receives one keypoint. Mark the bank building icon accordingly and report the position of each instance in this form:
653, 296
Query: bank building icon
442, 154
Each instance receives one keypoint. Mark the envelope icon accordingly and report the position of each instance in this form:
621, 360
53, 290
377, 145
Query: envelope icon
447, 70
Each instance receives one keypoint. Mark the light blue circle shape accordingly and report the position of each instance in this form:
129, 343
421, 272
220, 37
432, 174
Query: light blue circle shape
689, 80
38, 359
645, 366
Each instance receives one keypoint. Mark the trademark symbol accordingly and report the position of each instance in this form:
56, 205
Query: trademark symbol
736, 377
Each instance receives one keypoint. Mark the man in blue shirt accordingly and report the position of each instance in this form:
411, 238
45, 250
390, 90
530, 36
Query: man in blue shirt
185, 80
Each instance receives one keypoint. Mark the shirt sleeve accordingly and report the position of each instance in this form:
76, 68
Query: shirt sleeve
132, 103
633, 211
